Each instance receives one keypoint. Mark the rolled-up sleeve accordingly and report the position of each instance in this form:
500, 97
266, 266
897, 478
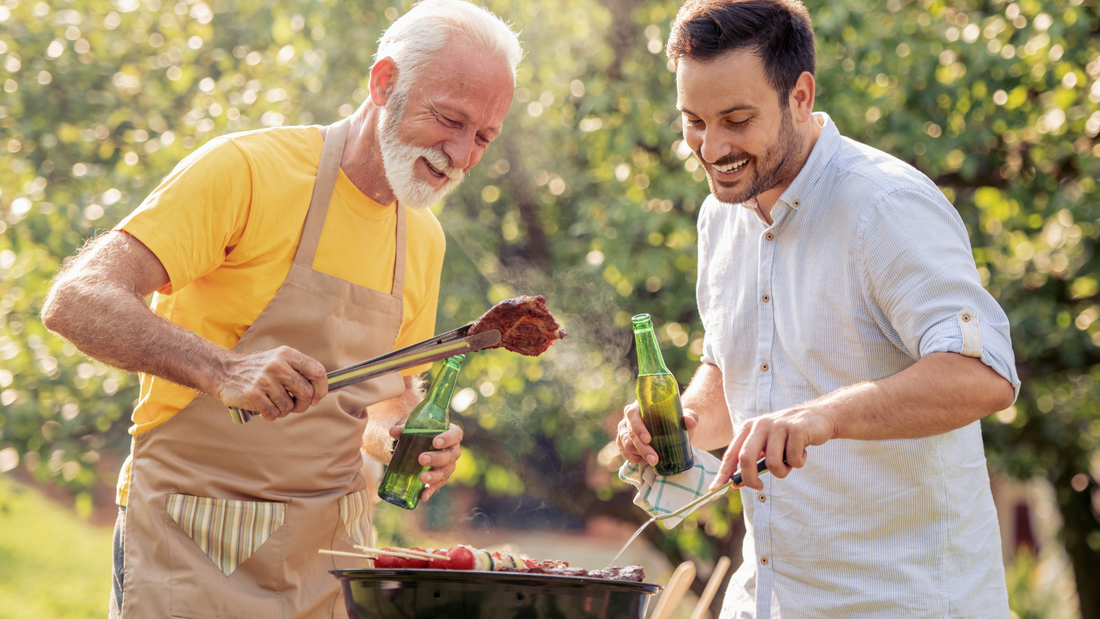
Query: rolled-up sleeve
919, 273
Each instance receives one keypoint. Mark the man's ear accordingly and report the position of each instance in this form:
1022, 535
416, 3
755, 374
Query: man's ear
802, 98
382, 78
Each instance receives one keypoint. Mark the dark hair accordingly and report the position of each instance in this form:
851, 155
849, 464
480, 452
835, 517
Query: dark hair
778, 31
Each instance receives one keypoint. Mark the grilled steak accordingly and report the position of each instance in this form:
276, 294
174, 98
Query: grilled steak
525, 324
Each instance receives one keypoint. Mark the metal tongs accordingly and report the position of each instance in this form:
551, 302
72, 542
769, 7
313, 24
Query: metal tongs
706, 498
449, 344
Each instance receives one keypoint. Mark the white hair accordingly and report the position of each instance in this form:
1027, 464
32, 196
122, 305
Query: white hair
414, 39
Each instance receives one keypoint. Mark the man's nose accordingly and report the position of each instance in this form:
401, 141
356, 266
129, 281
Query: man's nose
463, 152
713, 147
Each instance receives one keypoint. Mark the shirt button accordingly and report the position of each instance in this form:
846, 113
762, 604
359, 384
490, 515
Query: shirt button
764, 367
769, 236
797, 203
766, 298
764, 560
763, 498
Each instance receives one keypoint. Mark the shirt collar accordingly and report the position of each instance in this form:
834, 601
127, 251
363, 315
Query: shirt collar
827, 144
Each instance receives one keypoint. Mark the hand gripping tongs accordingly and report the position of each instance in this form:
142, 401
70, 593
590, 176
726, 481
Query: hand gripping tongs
449, 344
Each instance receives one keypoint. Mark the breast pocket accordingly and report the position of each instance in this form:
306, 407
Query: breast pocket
226, 556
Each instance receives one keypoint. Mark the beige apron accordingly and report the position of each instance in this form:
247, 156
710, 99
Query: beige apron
226, 520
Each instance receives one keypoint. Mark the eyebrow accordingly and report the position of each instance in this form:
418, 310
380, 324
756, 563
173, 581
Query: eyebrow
737, 108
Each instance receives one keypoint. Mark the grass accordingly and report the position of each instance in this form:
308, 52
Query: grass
53, 564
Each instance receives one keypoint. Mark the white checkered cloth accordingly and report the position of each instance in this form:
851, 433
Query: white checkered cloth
664, 494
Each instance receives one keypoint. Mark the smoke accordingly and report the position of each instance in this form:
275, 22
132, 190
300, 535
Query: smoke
583, 303
476, 519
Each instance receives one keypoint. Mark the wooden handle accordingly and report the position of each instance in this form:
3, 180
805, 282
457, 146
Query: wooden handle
711, 588
677, 586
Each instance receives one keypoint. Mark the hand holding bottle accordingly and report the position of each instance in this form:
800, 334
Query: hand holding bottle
426, 431
445, 451
633, 439
659, 408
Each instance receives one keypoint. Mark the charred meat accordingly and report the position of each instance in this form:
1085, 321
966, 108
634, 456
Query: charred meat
525, 324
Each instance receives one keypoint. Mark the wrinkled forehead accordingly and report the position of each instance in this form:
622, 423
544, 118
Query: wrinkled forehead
478, 90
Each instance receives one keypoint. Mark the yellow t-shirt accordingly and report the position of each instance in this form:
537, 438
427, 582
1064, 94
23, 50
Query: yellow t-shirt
226, 223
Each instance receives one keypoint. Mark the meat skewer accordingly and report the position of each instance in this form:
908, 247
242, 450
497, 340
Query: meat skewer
402, 553
461, 557
415, 553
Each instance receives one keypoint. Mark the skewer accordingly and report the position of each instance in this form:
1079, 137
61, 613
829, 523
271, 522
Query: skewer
405, 553
341, 553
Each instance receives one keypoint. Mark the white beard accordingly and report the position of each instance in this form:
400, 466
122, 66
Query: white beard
399, 160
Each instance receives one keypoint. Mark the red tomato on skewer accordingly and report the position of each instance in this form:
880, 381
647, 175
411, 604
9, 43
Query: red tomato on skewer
462, 558
388, 562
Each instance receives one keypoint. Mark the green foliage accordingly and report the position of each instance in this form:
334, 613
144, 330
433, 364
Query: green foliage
52, 565
1032, 592
589, 197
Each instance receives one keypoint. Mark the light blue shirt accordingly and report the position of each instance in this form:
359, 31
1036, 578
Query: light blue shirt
866, 269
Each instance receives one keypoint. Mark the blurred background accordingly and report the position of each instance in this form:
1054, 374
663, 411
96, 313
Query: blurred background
589, 198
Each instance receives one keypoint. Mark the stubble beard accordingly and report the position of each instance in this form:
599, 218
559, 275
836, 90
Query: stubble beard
399, 159
779, 166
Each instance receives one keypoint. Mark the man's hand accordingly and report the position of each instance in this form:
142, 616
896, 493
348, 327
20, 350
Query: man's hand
633, 438
448, 448
706, 419
273, 383
782, 437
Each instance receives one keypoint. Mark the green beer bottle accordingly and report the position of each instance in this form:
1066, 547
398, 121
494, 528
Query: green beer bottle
659, 400
401, 484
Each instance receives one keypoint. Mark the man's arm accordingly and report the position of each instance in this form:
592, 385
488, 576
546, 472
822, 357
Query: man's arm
384, 423
97, 303
704, 400
706, 418
939, 393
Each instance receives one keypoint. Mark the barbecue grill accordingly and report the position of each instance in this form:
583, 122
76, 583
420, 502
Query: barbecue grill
446, 594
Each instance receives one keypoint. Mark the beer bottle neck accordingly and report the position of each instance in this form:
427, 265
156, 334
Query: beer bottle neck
650, 361
432, 412
443, 387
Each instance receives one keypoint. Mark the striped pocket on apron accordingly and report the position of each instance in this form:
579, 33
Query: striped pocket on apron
227, 531
355, 513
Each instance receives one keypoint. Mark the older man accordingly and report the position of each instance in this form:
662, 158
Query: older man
848, 341
276, 255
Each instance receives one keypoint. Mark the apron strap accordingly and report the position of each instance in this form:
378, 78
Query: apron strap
399, 259
327, 172
329, 169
